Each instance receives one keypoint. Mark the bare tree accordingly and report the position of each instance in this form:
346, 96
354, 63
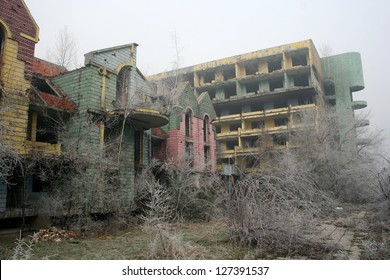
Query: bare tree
65, 50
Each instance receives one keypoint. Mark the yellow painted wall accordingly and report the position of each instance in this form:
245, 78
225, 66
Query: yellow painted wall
12, 73
14, 102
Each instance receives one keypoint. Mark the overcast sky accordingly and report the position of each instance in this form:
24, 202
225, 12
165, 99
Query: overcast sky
209, 30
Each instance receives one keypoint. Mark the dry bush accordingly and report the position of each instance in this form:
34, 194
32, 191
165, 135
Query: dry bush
24, 248
158, 210
374, 250
190, 195
277, 209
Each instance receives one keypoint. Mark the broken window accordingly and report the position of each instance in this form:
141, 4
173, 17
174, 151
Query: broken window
234, 126
257, 124
230, 145
329, 87
274, 65
251, 142
281, 122
251, 69
211, 93
229, 73
299, 59
189, 152
251, 87
208, 77
279, 139
206, 154
230, 91
188, 123
280, 104
301, 80
41, 129
206, 122
257, 107
188, 78
252, 162
305, 100
275, 84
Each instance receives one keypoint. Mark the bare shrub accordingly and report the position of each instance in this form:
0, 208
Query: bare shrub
157, 213
277, 209
24, 248
376, 250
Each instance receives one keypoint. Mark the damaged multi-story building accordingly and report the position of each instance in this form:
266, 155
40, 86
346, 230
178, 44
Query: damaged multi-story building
260, 93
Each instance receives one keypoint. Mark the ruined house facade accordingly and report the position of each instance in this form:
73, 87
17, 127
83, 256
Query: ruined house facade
188, 139
262, 92
47, 111
18, 36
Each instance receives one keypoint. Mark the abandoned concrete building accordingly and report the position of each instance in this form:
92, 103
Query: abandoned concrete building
262, 92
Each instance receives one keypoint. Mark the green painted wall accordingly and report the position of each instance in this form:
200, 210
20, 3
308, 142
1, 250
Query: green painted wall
346, 72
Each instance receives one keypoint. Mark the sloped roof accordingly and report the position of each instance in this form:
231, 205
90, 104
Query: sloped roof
46, 68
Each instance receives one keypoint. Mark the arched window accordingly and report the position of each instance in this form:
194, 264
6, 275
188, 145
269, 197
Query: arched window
2, 43
188, 124
206, 122
122, 86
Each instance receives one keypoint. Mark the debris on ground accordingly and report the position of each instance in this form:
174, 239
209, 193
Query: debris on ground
54, 234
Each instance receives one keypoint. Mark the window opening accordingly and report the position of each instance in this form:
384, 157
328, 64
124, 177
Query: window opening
211, 93
229, 73
275, 84
206, 154
252, 162
280, 140
188, 129
251, 142
305, 100
252, 87
230, 145
301, 80
299, 59
206, 122
281, 122
230, 91
122, 86
274, 65
208, 77
280, 104
2, 43
234, 126
251, 69
257, 124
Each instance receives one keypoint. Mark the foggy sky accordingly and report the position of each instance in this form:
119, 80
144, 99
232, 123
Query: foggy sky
209, 30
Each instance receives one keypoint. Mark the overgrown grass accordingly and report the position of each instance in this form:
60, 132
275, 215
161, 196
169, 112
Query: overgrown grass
208, 240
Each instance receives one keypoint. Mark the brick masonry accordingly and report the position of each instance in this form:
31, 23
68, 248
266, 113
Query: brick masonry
19, 21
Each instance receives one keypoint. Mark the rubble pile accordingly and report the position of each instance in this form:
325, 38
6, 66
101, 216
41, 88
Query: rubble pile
54, 234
